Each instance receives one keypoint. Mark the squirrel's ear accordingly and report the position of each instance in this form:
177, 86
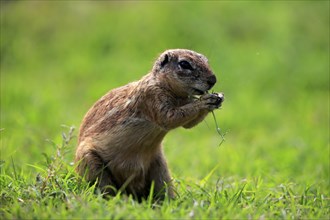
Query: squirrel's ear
164, 59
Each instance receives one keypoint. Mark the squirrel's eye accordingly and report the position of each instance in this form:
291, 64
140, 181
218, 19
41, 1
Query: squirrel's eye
185, 65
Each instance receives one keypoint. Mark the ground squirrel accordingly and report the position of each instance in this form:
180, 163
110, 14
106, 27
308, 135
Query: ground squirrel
120, 137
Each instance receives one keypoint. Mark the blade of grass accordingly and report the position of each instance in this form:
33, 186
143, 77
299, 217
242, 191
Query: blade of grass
207, 177
151, 194
14, 168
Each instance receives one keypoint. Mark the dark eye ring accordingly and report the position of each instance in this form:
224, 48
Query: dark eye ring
185, 65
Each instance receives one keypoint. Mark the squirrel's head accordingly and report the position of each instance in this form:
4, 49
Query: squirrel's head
187, 72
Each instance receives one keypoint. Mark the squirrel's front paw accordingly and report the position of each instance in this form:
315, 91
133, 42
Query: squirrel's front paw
213, 101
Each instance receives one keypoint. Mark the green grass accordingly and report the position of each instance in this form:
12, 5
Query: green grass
272, 62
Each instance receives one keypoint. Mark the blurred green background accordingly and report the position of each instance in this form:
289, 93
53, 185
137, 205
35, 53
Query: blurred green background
271, 59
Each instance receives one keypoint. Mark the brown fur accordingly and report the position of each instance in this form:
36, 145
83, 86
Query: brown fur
121, 135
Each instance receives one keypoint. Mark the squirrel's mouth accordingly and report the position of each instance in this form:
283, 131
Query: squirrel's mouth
199, 92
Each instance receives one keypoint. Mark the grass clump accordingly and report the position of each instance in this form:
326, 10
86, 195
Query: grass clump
55, 191
54, 183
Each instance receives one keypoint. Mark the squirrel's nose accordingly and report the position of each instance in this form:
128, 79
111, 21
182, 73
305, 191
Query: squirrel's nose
211, 80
